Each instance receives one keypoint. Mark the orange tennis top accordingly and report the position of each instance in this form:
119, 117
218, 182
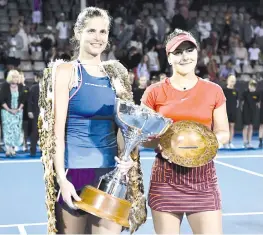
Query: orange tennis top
196, 104
173, 188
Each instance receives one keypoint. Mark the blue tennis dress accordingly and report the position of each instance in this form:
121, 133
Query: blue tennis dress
90, 137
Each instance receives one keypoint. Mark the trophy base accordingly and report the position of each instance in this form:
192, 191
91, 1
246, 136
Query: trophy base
104, 205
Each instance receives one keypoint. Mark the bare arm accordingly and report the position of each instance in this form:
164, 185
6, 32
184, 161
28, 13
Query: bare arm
221, 126
61, 108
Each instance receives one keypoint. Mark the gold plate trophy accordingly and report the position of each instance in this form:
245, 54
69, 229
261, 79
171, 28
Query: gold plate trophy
108, 200
189, 144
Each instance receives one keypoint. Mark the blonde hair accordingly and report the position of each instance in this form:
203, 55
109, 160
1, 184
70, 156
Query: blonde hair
230, 77
253, 83
11, 73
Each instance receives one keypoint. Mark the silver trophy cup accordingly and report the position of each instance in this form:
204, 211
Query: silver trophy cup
137, 124
108, 200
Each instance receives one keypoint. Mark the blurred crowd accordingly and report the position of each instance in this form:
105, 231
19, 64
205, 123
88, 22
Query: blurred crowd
230, 37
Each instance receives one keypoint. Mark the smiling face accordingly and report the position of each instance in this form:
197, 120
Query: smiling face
94, 36
184, 58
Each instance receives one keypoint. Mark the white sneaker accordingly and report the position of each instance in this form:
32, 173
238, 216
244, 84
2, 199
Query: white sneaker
226, 146
231, 146
249, 146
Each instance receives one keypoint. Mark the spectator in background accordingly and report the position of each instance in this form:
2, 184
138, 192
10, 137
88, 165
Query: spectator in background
202, 63
160, 49
153, 62
248, 32
25, 124
136, 42
259, 30
259, 35
63, 32
212, 70
226, 71
133, 58
234, 42
124, 36
254, 53
138, 91
23, 34
37, 12
162, 26
223, 46
250, 103
180, 19
15, 44
204, 28
34, 41
232, 103
12, 101
241, 55
47, 42
131, 78
33, 113
142, 69
236, 24
151, 29
170, 8
140, 29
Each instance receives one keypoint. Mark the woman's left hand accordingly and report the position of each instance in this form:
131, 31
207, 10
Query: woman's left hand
124, 166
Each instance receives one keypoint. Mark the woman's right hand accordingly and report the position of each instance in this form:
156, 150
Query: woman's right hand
68, 191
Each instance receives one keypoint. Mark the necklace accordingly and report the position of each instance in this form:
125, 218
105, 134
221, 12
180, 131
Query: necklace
183, 87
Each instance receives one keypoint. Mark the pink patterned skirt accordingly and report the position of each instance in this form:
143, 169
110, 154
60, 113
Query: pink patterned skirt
178, 189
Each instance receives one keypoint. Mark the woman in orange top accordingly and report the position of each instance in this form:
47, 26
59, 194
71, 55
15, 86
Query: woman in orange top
175, 190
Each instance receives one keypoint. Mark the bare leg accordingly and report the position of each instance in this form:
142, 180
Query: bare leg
166, 223
260, 131
208, 222
245, 134
102, 226
232, 131
260, 135
250, 133
68, 223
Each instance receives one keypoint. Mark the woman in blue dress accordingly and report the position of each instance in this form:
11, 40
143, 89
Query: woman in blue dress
12, 102
84, 145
